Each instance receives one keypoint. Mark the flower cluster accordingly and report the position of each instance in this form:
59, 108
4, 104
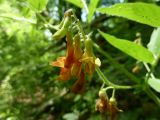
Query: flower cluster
77, 62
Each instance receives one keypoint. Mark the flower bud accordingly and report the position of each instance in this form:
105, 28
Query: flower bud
98, 62
60, 34
103, 94
88, 46
113, 101
63, 30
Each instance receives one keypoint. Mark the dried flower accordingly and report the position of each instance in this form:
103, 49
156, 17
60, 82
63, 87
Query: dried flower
103, 105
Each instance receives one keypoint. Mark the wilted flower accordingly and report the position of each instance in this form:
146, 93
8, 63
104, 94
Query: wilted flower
113, 109
102, 103
105, 105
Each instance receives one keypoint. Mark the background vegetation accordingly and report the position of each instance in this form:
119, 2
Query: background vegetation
28, 86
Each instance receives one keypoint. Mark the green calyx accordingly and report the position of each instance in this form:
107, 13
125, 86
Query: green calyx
64, 25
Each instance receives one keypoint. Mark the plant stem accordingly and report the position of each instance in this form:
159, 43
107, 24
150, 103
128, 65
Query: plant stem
107, 82
79, 25
19, 19
149, 70
116, 64
147, 89
47, 24
113, 93
152, 95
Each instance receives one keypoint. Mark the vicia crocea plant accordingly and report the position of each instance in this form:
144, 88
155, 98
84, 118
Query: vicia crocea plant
80, 61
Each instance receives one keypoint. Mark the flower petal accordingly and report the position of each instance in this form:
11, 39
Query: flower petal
59, 63
65, 74
79, 84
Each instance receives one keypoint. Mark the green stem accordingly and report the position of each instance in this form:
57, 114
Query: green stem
107, 82
152, 95
113, 93
147, 89
19, 19
46, 22
79, 26
116, 64
149, 70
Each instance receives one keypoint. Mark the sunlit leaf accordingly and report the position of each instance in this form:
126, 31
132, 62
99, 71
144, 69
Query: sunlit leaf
38, 5
154, 83
92, 7
17, 17
70, 116
154, 44
134, 50
77, 3
141, 12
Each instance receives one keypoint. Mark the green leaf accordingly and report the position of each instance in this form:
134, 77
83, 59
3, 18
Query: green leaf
70, 116
38, 5
154, 83
134, 50
92, 7
154, 44
140, 12
17, 18
77, 3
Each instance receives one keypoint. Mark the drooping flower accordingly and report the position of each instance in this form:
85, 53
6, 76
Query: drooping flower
70, 64
63, 26
113, 109
102, 102
105, 105
66, 62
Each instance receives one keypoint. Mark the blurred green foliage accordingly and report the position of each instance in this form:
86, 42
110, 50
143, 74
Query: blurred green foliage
28, 86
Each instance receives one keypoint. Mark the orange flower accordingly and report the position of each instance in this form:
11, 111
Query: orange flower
65, 63
70, 65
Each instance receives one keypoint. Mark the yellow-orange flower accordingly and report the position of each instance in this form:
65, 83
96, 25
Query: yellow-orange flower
89, 58
70, 64
65, 63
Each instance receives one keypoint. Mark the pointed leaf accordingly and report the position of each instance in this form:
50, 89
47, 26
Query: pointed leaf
77, 3
154, 44
155, 84
134, 50
17, 17
92, 7
38, 5
141, 12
